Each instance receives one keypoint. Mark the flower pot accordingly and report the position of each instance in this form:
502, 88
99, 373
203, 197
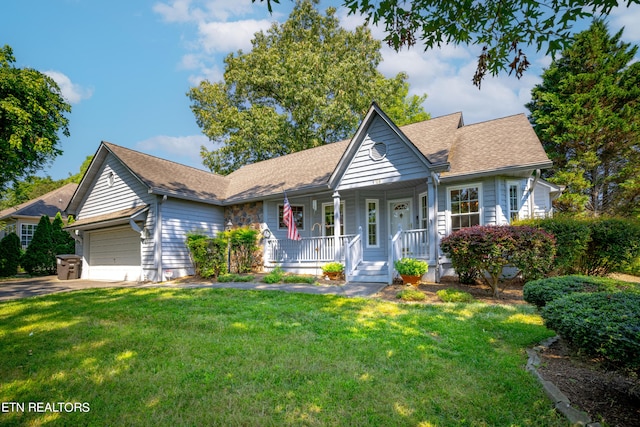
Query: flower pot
335, 275
411, 280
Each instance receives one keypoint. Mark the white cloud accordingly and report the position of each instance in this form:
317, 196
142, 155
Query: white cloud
73, 93
224, 37
182, 149
627, 17
201, 11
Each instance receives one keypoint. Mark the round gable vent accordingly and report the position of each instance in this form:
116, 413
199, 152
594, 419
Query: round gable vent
378, 151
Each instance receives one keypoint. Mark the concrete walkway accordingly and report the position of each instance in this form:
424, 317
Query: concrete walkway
17, 288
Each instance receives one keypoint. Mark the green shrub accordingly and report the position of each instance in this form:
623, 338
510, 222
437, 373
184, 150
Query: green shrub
454, 295
333, 267
410, 294
294, 278
411, 267
62, 241
489, 249
275, 276
39, 258
572, 236
209, 255
614, 243
541, 292
10, 253
599, 324
232, 277
244, 245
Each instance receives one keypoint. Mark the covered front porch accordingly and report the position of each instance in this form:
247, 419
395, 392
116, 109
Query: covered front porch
309, 254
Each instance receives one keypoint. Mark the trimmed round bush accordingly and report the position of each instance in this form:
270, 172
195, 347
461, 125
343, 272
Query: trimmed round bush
541, 292
600, 324
410, 295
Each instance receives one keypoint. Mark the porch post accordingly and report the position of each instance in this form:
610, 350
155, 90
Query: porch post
432, 199
336, 223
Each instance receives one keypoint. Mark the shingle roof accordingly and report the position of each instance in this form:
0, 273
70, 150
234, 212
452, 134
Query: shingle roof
167, 177
479, 148
48, 204
494, 145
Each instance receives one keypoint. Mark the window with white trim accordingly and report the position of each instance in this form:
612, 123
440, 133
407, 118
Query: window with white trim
513, 193
424, 211
329, 219
26, 234
465, 206
298, 217
373, 220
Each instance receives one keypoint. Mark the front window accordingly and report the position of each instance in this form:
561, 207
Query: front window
464, 207
424, 211
514, 201
26, 234
298, 216
372, 223
330, 219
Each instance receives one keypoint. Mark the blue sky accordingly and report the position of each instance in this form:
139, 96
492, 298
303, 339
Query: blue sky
125, 66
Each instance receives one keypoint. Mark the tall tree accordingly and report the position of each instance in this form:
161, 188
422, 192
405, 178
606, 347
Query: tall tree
315, 82
586, 111
502, 29
32, 112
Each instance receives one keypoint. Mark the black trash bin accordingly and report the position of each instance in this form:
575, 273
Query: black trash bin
69, 266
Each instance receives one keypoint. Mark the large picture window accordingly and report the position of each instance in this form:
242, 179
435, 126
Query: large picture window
464, 206
298, 216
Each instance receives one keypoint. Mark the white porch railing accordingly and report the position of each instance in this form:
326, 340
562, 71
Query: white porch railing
407, 244
308, 249
354, 253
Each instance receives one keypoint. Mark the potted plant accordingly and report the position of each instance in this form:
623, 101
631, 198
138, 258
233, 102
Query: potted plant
333, 270
411, 270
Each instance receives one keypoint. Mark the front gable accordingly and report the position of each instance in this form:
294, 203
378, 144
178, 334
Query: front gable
379, 153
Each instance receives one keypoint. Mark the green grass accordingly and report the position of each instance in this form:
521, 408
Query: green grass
229, 357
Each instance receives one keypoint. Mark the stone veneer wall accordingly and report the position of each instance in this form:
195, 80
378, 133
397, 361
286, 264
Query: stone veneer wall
247, 215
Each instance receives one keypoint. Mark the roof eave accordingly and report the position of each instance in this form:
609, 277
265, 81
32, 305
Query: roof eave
520, 169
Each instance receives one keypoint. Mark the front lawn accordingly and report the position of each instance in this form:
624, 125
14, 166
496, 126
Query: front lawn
156, 357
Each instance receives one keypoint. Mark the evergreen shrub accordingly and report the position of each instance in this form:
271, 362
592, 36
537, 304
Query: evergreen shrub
10, 254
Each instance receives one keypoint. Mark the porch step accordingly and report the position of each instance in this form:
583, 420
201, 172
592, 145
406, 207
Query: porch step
372, 272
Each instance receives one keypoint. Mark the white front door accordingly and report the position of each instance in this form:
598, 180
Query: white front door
400, 215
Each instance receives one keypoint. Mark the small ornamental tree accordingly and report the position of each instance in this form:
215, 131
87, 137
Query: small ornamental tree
62, 241
244, 244
489, 249
10, 252
39, 258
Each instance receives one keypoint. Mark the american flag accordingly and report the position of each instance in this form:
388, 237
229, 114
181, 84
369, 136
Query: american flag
287, 218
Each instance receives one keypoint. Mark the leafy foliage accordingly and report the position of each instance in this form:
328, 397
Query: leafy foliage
40, 258
410, 294
411, 266
542, 291
243, 247
454, 295
207, 254
62, 241
614, 243
489, 249
333, 267
275, 276
315, 82
10, 253
32, 117
502, 29
599, 324
586, 112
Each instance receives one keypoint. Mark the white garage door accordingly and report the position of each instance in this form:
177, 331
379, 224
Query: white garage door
114, 254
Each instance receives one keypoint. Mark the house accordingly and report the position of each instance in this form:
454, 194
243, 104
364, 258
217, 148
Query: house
23, 218
387, 192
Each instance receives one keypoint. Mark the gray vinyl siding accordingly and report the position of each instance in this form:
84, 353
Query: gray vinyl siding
180, 217
126, 192
399, 164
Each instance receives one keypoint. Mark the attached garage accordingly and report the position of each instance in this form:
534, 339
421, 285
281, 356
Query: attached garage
114, 254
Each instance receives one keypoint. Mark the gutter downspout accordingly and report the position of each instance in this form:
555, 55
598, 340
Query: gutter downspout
533, 185
157, 236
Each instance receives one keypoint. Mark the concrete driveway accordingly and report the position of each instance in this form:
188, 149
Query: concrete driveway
24, 287
17, 288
